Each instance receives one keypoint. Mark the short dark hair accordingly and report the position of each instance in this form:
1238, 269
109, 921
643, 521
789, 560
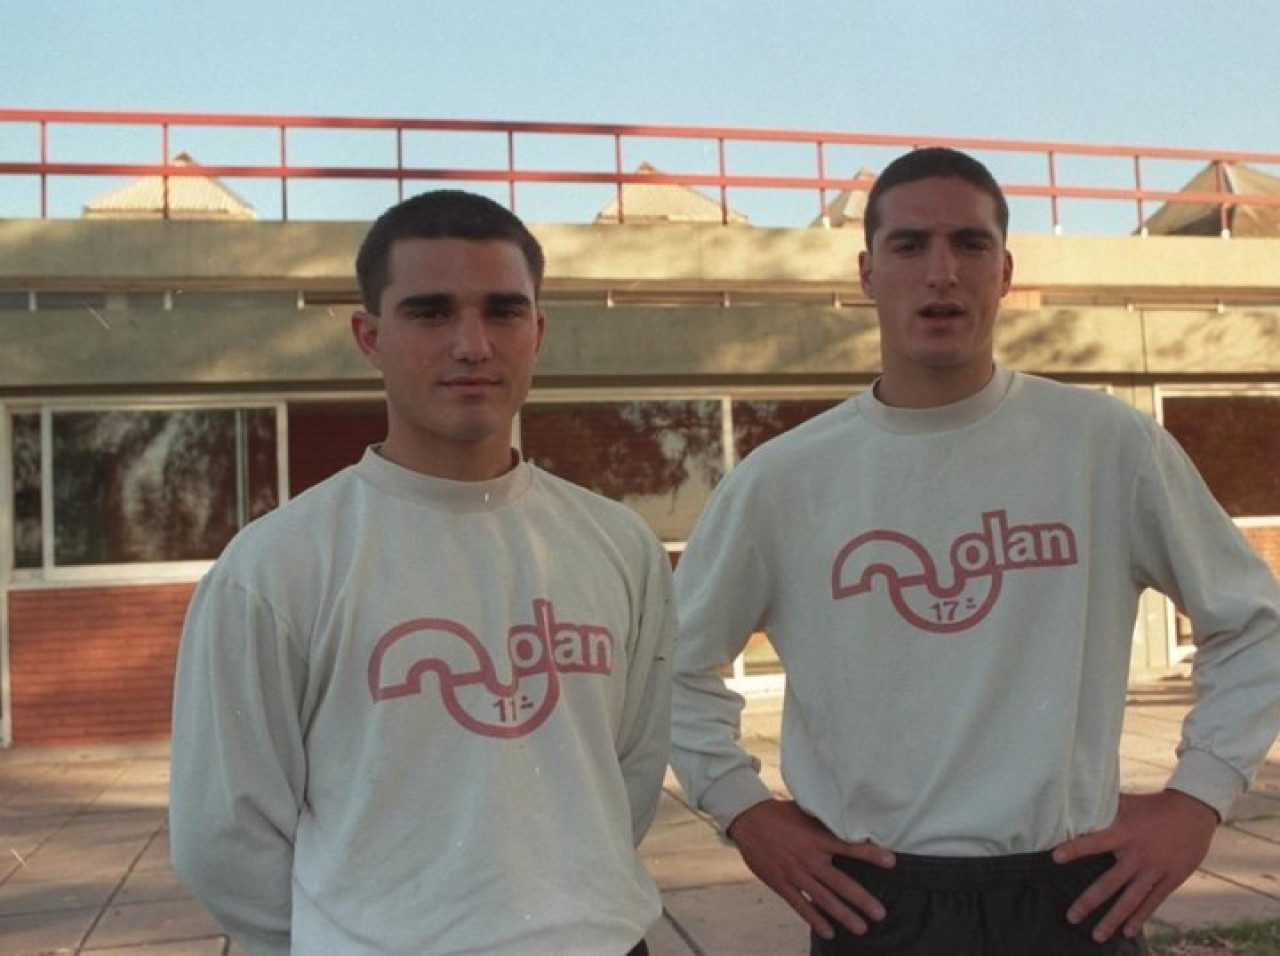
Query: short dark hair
440, 214
933, 162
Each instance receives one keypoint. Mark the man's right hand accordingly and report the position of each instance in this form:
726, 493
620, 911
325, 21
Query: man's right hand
791, 852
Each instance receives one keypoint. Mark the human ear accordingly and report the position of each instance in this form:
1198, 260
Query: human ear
364, 329
864, 273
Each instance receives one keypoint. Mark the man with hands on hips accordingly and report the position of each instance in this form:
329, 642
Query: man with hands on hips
949, 567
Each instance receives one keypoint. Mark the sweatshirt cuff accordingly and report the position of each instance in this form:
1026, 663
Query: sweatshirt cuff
1201, 775
733, 793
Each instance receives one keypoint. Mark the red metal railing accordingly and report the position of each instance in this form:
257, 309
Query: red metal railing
731, 178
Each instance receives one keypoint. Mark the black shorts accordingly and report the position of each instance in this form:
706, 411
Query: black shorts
978, 906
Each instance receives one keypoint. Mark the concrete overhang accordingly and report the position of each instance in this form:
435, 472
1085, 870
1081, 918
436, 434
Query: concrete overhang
582, 259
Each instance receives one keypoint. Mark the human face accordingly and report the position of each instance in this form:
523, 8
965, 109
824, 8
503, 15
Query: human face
937, 270
456, 335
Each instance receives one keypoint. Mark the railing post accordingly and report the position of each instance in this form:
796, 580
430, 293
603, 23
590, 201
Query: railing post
1053, 194
1220, 176
164, 179
284, 174
400, 164
1137, 182
617, 171
822, 190
724, 190
511, 170
44, 166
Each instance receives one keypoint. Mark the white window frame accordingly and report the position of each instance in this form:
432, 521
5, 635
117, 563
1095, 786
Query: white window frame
1180, 653
153, 572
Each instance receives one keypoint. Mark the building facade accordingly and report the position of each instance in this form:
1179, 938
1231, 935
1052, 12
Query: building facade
166, 380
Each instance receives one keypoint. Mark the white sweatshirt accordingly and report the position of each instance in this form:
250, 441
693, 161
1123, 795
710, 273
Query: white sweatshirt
952, 593
430, 717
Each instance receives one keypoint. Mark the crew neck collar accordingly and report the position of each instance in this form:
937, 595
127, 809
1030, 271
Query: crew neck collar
444, 493
919, 421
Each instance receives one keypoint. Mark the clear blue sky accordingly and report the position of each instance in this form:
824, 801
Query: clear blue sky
1188, 73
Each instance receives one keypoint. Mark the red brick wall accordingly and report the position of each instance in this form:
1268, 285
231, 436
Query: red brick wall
93, 665
1267, 542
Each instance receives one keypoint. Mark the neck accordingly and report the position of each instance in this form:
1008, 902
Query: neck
930, 388
471, 464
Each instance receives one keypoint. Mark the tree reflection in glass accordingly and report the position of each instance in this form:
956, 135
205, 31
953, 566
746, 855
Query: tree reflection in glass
163, 485
661, 458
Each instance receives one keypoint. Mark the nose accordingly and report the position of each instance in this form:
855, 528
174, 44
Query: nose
943, 266
471, 338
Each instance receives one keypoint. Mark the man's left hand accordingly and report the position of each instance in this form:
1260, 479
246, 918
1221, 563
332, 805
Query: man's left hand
1158, 840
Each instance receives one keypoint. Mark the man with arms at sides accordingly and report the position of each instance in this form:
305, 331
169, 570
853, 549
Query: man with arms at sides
424, 707
949, 566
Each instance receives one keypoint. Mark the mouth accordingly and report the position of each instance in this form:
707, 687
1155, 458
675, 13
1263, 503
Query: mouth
943, 310
470, 384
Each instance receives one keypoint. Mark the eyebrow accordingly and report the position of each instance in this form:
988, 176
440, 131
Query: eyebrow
507, 299
424, 300
963, 233
438, 300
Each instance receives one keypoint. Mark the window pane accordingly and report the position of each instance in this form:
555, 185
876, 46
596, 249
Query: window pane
1234, 441
755, 421
26, 491
326, 437
662, 458
133, 486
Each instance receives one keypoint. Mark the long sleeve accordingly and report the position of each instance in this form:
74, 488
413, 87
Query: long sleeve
722, 595
1189, 549
645, 733
238, 764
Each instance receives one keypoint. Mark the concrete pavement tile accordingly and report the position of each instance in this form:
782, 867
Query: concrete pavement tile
1267, 781
663, 940
741, 920
713, 866
1246, 860
134, 793
1268, 829
1142, 778
22, 898
1255, 806
1153, 750
671, 807
90, 832
156, 855
163, 922
72, 863
36, 804
139, 819
1155, 721
1206, 900
151, 886
678, 833
24, 835
41, 933
216, 946
688, 852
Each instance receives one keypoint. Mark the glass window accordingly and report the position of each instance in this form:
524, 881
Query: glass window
27, 505
755, 421
1233, 440
325, 437
662, 458
51, 301
132, 486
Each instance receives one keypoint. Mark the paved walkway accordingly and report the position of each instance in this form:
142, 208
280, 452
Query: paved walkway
84, 856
